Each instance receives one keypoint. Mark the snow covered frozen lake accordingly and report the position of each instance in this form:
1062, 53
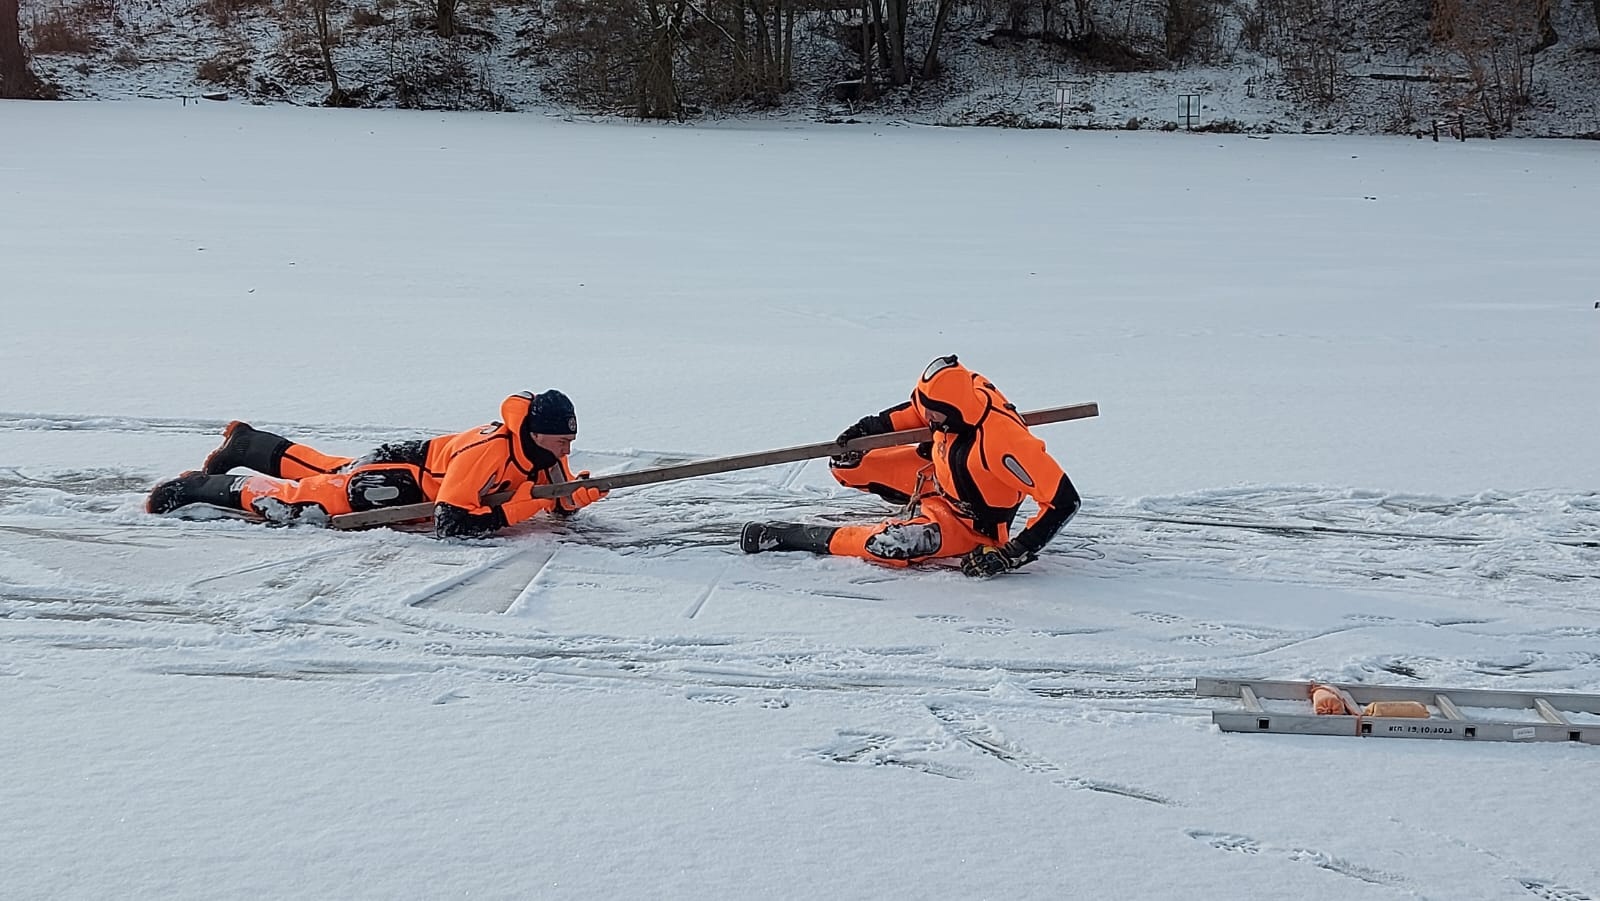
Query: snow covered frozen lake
1348, 431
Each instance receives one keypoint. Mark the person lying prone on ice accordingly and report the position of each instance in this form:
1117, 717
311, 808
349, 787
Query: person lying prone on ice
528, 446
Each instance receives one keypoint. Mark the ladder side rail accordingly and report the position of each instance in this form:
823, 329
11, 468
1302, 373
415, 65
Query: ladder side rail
1470, 697
1271, 689
1402, 727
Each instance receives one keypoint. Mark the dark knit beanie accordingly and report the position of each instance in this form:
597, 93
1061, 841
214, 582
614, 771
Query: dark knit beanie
551, 413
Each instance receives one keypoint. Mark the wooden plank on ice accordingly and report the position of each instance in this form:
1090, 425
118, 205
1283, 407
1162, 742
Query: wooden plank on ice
713, 466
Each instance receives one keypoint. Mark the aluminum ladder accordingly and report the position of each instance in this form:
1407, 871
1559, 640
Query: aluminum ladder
1453, 713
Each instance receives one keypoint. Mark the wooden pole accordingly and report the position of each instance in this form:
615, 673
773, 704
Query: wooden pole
712, 466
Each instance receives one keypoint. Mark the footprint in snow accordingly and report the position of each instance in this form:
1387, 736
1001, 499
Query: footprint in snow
878, 749
1223, 841
1244, 844
1539, 888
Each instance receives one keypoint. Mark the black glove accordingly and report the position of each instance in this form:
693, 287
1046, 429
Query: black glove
866, 425
992, 561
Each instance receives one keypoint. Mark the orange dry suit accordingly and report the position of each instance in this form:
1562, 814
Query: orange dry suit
454, 471
962, 489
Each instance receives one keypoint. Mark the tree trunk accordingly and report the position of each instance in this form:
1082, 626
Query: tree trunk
744, 74
336, 95
764, 45
930, 64
866, 49
444, 23
1548, 36
17, 81
896, 26
879, 38
1597, 13
788, 48
658, 88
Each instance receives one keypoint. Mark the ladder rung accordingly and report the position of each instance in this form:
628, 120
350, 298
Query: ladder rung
1550, 714
1448, 707
1349, 702
1251, 703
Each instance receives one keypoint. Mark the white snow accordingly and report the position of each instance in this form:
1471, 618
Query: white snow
1347, 432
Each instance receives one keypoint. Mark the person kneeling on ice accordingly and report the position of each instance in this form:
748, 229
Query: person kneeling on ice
961, 491
528, 447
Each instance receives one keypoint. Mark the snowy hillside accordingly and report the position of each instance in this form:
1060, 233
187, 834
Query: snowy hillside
1384, 74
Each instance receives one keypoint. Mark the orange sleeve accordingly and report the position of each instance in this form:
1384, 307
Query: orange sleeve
1025, 465
523, 504
1028, 467
904, 416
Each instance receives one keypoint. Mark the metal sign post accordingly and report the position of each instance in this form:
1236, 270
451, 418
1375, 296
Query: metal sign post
1063, 97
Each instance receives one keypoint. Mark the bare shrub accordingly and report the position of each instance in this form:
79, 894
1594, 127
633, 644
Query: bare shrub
1496, 41
594, 43
224, 13
1184, 24
620, 52
230, 67
1307, 37
361, 17
61, 29
424, 71
1253, 27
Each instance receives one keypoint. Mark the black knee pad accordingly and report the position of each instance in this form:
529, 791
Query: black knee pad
413, 452
372, 488
905, 541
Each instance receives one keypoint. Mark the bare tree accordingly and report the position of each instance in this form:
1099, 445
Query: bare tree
444, 23
17, 81
1183, 22
895, 15
325, 36
1307, 36
657, 85
930, 63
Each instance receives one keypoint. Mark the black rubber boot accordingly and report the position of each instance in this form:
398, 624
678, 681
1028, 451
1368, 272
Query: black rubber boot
785, 536
249, 448
194, 488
